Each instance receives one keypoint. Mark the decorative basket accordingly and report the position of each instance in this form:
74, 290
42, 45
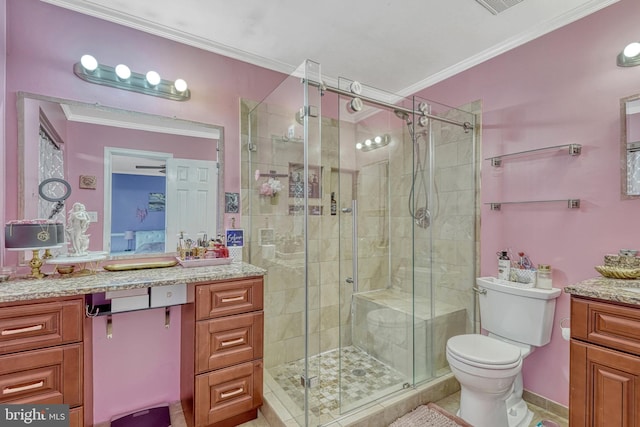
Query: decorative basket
618, 272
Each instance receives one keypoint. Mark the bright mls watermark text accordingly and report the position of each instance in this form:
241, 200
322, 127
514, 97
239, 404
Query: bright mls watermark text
34, 415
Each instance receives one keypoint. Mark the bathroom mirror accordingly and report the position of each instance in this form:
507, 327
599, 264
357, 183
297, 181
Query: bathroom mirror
630, 146
134, 170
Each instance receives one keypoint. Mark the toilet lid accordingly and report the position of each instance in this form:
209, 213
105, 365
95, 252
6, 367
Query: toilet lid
480, 350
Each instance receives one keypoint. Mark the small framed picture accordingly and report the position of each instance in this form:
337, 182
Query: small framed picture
231, 202
88, 182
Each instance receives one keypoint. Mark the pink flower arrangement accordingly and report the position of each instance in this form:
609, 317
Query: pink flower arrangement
270, 187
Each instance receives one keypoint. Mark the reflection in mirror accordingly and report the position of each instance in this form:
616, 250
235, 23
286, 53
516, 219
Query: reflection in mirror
630, 147
146, 177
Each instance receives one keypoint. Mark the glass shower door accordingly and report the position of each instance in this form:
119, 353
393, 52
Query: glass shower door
283, 201
376, 317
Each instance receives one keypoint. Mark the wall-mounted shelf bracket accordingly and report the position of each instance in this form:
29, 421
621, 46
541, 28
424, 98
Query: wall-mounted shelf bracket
573, 150
571, 203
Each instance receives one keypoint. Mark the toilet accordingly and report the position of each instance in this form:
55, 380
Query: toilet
489, 367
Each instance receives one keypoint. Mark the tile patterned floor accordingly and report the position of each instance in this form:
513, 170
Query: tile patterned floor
363, 378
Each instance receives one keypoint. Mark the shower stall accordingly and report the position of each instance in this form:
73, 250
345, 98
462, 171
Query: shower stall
361, 205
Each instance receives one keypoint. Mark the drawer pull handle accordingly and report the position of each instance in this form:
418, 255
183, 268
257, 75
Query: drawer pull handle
233, 299
231, 342
18, 389
224, 395
21, 330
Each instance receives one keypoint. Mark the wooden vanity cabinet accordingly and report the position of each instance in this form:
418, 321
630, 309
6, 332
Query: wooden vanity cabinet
605, 364
222, 349
41, 354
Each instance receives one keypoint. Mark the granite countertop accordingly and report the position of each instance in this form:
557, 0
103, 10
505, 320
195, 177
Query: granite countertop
57, 286
616, 290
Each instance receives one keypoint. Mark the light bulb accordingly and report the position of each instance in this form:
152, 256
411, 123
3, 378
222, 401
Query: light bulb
123, 71
359, 146
153, 78
632, 49
377, 139
367, 142
88, 62
180, 85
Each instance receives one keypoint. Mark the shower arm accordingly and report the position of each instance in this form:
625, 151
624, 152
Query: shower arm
465, 125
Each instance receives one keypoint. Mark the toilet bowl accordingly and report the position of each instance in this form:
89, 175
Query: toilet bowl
487, 369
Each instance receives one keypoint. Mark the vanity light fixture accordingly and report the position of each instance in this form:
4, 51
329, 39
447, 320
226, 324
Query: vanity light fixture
374, 143
630, 56
121, 77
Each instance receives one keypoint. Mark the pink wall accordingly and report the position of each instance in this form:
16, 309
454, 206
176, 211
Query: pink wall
139, 366
562, 88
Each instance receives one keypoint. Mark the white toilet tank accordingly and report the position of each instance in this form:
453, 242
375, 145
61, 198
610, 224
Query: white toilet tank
524, 315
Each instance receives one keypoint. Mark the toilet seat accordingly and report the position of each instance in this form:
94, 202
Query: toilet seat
484, 352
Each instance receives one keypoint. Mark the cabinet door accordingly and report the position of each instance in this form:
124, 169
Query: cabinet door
611, 391
229, 340
50, 375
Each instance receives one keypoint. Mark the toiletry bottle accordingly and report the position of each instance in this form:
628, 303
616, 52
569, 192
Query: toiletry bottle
504, 266
334, 204
544, 277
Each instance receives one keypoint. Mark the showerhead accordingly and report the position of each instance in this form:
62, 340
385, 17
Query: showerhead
403, 115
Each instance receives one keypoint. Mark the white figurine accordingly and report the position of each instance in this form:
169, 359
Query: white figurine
77, 225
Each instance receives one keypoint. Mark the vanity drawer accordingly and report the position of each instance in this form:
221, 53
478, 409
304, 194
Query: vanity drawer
76, 417
229, 297
51, 375
228, 392
229, 340
31, 326
606, 324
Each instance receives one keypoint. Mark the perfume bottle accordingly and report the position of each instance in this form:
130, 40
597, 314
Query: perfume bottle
504, 265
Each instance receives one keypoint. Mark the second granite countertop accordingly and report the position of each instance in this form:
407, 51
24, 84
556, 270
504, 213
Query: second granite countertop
603, 288
102, 281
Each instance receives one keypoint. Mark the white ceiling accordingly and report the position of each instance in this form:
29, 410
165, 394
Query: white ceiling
397, 46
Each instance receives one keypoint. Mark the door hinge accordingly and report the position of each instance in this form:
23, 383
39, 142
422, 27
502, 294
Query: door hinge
309, 382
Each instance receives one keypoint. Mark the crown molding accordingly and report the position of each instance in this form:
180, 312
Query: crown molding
113, 15
538, 31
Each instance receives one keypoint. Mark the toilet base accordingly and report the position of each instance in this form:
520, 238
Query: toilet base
484, 410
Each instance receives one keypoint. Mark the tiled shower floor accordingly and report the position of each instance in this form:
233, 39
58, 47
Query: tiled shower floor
364, 379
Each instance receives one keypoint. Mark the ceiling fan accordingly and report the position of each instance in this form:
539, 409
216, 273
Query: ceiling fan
161, 168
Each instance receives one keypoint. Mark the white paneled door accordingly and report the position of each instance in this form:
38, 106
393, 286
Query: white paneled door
191, 199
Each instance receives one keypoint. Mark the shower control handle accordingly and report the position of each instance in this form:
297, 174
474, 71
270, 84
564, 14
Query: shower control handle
349, 280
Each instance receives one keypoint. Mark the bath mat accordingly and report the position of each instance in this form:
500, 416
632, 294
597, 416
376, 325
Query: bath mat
430, 415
